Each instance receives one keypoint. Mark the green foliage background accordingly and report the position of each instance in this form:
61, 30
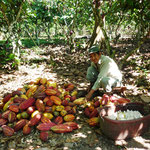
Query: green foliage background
66, 19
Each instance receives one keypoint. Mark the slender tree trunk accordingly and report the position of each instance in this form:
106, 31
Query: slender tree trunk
99, 35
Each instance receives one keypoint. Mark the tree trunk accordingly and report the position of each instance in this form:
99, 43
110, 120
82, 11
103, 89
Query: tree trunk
99, 35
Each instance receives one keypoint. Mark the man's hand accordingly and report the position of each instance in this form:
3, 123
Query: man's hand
89, 95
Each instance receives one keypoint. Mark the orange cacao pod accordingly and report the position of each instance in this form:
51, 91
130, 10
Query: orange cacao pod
50, 92
43, 81
46, 99
45, 119
30, 92
14, 108
68, 108
93, 121
56, 100
26, 129
69, 117
70, 87
37, 81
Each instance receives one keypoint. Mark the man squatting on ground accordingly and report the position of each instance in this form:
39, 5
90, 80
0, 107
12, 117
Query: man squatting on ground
103, 72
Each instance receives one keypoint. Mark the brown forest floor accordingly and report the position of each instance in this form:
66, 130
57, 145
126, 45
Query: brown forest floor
72, 67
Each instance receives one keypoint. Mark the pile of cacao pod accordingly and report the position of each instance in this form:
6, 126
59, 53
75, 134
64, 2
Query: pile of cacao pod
90, 107
40, 104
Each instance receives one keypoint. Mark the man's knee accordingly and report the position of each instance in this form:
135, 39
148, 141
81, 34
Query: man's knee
91, 74
107, 83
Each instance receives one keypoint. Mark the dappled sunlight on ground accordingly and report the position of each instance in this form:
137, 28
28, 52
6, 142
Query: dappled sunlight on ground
56, 63
24, 75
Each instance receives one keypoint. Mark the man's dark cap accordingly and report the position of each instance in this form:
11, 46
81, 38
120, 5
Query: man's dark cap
94, 49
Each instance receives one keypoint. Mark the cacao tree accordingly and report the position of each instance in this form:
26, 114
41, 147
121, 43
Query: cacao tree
11, 15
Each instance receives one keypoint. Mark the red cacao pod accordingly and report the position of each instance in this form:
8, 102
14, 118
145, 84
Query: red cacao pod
45, 126
58, 120
61, 128
8, 131
27, 103
35, 120
73, 125
20, 124
44, 136
40, 105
